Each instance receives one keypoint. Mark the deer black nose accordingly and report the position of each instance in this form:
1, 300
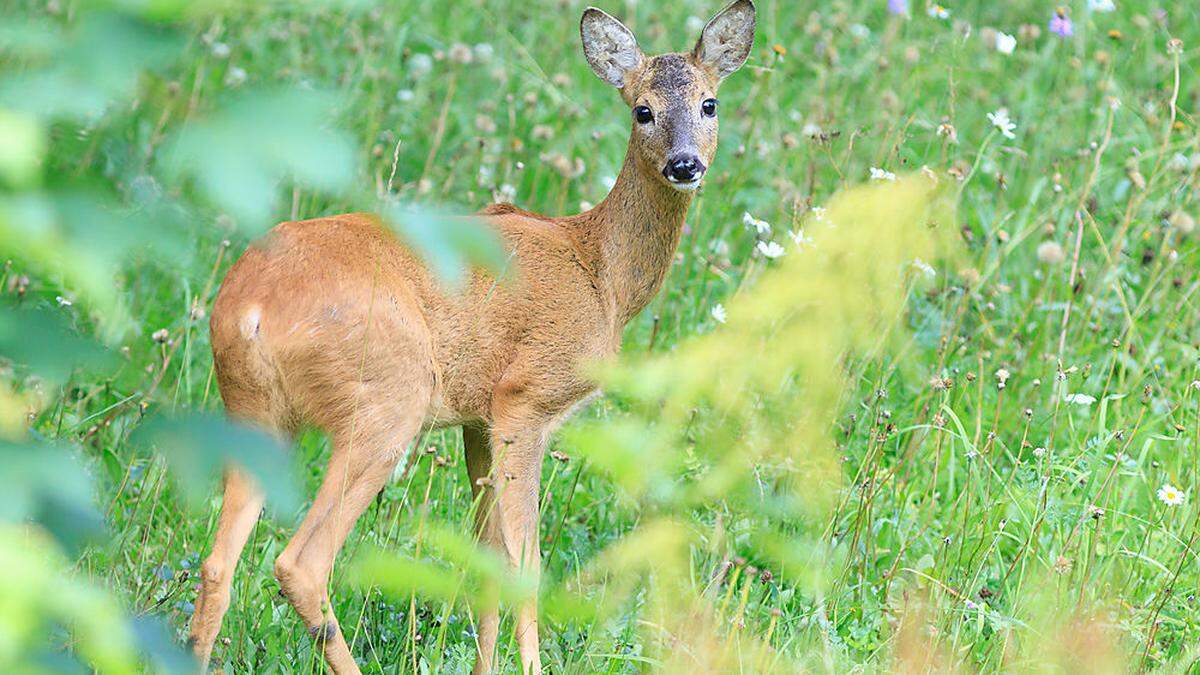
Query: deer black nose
683, 169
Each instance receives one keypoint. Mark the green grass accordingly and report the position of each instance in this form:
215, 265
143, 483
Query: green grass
949, 495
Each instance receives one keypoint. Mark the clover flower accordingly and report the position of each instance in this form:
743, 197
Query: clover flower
1060, 24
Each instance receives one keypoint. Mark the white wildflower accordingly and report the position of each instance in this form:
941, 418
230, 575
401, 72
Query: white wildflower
1171, 495
760, 226
1005, 43
420, 65
770, 249
484, 52
800, 238
937, 11
718, 313
405, 95
1002, 376
1001, 121
924, 267
1080, 399
880, 174
1102, 6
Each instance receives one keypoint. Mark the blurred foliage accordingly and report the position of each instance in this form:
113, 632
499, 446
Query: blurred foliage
83, 73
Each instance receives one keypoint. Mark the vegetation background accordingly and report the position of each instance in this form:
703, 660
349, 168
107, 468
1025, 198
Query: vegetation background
864, 448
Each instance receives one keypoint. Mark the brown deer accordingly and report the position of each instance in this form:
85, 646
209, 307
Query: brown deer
332, 322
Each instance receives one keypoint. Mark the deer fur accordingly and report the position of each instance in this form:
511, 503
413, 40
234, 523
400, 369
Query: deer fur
332, 322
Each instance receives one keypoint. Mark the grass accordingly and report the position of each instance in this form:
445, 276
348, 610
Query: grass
965, 489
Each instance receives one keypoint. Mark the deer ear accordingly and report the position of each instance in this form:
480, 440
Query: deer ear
609, 46
726, 40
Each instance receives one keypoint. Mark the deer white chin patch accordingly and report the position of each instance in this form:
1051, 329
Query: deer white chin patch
685, 186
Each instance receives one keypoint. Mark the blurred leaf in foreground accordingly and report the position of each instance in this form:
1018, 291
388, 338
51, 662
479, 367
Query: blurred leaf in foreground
450, 245
199, 447
240, 153
48, 485
43, 342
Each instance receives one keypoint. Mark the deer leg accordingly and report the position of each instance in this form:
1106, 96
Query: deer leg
479, 469
361, 465
518, 441
239, 512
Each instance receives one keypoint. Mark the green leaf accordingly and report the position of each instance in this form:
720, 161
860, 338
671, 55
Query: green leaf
43, 342
240, 153
198, 447
450, 245
47, 484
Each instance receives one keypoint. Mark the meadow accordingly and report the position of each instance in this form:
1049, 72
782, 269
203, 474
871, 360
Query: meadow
979, 453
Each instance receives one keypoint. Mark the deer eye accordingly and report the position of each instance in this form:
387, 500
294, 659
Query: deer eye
643, 115
709, 107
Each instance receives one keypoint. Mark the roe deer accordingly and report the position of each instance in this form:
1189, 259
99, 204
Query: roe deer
332, 322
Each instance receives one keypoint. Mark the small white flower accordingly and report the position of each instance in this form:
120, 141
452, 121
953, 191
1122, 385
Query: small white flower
1005, 43
62, 302
924, 267
1102, 6
800, 238
220, 50
819, 213
937, 11
770, 249
718, 313
235, 77
760, 226
811, 130
484, 52
1001, 121
1171, 495
1080, 399
1039, 452
420, 65
405, 95
1002, 376
880, 174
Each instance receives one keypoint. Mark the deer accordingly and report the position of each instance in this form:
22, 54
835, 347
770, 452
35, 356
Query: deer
334, 323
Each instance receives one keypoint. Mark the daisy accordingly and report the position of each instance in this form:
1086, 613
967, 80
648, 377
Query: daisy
718, 313
761, 226
1001, 121
1171, 495
770, 249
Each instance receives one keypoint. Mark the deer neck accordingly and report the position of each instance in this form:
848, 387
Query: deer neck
634, 234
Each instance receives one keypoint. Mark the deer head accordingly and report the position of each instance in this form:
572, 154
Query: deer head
673, 96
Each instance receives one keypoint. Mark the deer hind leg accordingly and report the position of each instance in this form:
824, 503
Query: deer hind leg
239, 512
364, 455
479, 469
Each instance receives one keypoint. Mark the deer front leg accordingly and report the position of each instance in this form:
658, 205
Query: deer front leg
508, 519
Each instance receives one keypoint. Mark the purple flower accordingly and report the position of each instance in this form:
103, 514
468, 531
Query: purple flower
1060, 24
898, 7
